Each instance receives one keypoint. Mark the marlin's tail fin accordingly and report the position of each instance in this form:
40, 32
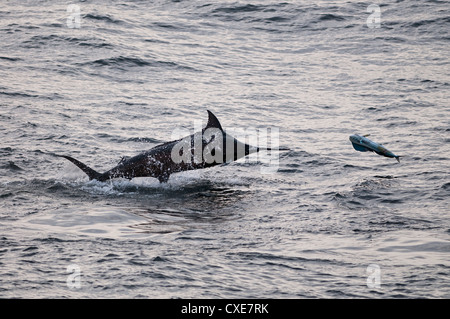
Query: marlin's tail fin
89, 171
398, 158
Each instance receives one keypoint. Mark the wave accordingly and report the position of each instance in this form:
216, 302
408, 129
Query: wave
18, 94
52, 96
330, 17
124, 62
102, 18
189, 184
11, 166
52, 39
119, 61
144, 140
437, 21
6, 150
283, 17
271, 13
240, 8
9, 58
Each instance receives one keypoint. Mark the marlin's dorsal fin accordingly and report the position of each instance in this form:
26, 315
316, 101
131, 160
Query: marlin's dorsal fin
213, 121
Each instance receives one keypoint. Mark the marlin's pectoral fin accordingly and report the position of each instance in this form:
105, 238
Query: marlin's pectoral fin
163, 178
360, 148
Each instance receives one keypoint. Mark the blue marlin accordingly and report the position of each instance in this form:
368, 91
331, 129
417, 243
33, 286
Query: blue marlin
210, 147
363, 144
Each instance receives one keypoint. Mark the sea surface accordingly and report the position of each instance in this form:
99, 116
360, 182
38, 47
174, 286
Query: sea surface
100, 80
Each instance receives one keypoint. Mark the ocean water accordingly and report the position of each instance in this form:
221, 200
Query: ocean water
99, 80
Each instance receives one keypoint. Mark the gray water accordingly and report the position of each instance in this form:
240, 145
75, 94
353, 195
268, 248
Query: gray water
330, 222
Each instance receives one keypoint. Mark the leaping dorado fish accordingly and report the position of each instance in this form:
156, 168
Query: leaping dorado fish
210, 147
363, 144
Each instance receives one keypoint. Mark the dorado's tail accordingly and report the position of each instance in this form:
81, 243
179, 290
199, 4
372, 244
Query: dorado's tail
89, 171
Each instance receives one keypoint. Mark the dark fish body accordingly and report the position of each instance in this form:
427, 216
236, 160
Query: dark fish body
204, 149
